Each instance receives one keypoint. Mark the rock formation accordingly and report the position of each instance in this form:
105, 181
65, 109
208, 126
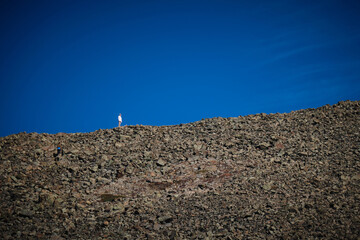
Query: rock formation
275, 176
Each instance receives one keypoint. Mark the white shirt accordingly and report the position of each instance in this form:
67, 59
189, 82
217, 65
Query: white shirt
119, 118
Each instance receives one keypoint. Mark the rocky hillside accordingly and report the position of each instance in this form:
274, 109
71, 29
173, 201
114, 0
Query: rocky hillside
276, 176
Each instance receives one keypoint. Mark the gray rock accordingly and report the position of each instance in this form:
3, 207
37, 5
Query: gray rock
161, 162
165, 219
264, 145
26, 213
94, 168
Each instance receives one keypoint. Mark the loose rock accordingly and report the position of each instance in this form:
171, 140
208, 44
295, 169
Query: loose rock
276, 176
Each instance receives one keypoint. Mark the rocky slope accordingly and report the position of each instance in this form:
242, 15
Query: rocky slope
276, 176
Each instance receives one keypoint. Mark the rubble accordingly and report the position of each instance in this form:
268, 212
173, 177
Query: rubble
262, 176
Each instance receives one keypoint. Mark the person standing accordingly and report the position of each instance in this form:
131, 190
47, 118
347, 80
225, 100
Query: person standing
59, 151
120, 119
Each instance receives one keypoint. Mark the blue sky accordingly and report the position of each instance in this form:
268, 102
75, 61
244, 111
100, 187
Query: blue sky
73, 66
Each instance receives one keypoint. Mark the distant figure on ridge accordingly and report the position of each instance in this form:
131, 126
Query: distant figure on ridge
120, 119
59, 151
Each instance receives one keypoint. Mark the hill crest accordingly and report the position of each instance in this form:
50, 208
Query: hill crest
258, 176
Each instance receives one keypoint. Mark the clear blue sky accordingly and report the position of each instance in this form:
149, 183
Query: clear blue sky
73, 66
